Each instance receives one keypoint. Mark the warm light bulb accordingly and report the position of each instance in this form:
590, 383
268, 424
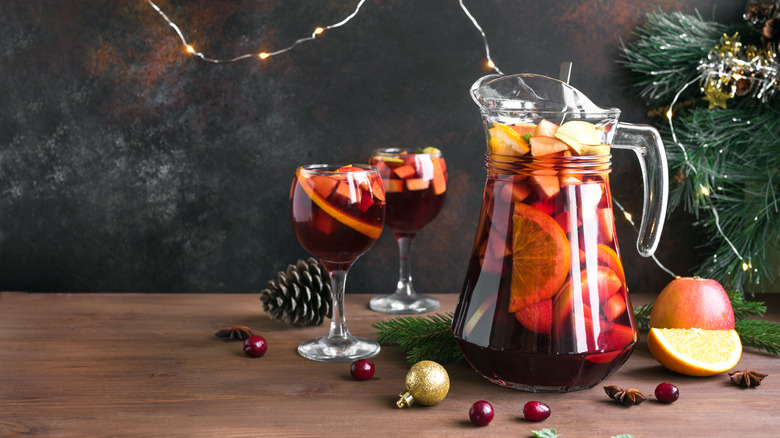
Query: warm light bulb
745, 266
704, 190
669, 114
318, 31
263, 55
491, 64
628, 216
190, 49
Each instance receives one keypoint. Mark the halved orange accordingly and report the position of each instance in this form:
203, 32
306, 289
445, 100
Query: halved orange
695, 352
540, 257
371, 230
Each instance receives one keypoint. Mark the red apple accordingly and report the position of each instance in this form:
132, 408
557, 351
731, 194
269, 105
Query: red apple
693, 303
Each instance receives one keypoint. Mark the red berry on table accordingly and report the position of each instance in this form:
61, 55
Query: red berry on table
362, 369
481, 413
255, 346
536, 411
666, 392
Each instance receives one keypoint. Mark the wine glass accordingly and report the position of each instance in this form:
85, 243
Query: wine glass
337, 214
415, 186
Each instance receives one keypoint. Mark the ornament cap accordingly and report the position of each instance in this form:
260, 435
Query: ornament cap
404, 400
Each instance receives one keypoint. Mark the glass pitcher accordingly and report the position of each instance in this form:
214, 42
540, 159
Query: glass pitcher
544, 305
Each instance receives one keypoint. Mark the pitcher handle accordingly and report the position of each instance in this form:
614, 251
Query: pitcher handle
646, 142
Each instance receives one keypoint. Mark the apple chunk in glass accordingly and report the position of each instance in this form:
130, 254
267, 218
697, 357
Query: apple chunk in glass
337, 214
415, 187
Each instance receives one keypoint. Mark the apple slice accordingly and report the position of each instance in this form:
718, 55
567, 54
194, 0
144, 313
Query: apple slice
579, 130
439, 180
323, 185
545, 128
348, 192
606, 225
546, 186
393, 185
524, 128
541, 146
417, 184
537, 317
404, 171
614, 307
377, 189
514, 192
567, 221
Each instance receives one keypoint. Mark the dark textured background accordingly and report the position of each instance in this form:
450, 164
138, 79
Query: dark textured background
128, 165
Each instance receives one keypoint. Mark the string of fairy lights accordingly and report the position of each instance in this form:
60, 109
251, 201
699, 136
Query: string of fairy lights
319, 30
190, 48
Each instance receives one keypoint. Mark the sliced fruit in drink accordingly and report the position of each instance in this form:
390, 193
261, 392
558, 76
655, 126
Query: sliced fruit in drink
405, 171
584, 133
439, 181
546, 186
537, 317
545, 128
524, 128
347, 192
606, 224
540, 257
417, 184
514, 192
323, 185
506, 141
393, 185
612, 341
371, 230
431, 151
599, 149
324, 222
609, 258
541, 146
567, 221
614, 307
695, 352
377, 189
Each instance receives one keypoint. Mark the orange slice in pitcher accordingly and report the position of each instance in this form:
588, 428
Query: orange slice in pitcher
371, 230
540, 257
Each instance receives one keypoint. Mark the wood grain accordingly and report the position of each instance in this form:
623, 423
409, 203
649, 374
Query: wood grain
149, 365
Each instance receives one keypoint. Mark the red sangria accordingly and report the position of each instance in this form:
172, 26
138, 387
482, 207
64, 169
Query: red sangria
415, 185
337, 214
544, 305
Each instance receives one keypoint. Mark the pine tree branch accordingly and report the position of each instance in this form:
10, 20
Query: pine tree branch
761, 335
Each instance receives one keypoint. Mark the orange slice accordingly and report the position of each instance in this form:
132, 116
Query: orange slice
695, 352
540, 257
370, 230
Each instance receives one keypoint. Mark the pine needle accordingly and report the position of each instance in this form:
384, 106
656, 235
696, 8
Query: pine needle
421, 337
761, 335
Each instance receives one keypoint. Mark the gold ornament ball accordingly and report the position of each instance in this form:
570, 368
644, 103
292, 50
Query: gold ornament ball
427, 383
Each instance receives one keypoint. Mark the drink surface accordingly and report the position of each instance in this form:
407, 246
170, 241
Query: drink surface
415, 186
337, 215
544, 305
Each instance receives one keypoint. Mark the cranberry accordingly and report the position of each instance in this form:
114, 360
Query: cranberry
362, 369
255, 346
481, 413
536, 411
666, 392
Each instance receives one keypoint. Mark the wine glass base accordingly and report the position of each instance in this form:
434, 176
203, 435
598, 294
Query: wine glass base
397, 304
349, 349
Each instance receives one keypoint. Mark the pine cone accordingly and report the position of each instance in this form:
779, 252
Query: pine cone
301, 295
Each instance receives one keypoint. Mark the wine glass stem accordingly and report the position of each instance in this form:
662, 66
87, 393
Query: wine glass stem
338, 323
404, 286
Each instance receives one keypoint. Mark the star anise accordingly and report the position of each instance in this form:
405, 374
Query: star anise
234, 332
747, 378
626, 397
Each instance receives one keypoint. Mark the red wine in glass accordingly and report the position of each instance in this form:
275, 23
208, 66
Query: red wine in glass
337, 214
415, 186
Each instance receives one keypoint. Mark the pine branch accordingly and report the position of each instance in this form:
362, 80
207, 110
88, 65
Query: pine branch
745, 309
422, 338
761, 335
642, 316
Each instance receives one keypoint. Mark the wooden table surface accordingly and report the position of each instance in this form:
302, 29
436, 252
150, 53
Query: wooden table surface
149, 365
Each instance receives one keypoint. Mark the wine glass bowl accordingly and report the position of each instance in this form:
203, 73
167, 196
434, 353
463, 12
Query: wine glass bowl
415, 188
337, 214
